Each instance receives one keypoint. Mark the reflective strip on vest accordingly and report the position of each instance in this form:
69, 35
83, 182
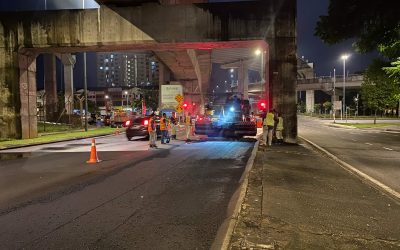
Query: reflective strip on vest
269, 120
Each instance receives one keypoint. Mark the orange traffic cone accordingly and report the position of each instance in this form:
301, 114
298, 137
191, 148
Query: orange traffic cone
93, 153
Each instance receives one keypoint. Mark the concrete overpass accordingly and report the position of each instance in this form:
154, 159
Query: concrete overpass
181, 34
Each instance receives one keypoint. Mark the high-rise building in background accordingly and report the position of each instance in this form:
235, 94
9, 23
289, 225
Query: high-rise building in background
126, 69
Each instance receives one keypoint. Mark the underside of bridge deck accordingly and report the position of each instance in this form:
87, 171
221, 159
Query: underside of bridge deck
181, 35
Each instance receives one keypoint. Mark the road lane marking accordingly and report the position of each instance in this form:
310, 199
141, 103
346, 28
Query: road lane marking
351, 169
388, 148
353, 139
368, 143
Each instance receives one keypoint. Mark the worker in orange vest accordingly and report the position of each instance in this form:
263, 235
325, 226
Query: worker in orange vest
152, 129
164, 128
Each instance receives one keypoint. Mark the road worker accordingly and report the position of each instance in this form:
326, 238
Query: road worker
188, 126
268, 127
279, 129
152, 132
163, 128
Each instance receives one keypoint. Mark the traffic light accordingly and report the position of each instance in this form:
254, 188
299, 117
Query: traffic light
262, 104
185, 105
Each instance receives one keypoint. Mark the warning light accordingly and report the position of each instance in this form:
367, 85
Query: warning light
262, 104
185, 105
146, 122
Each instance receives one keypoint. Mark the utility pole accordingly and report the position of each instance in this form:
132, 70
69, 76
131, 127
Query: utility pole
85, 83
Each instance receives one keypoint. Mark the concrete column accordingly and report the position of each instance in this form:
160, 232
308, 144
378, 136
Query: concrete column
68, 61
164, 76
194, 58
283, 67
310, 98
50, 86
243, 75
27, 83
10, 119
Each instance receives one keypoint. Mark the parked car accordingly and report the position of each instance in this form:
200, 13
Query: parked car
138, 127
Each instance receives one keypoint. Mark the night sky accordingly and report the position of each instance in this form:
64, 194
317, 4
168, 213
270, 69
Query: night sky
324, 57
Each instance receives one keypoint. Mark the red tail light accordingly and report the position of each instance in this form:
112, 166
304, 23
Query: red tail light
127, 123
146, 122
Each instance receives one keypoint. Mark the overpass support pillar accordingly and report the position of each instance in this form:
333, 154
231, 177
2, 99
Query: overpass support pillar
310, 99
27, 85
195, 61
164, 76
282, 71
243, 75
50, 86
17, 93
68, 61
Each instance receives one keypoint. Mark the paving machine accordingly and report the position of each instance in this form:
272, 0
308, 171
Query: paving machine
230, 118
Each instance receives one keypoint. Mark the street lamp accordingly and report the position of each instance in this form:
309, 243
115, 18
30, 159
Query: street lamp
260, 53
344, 58
126, 94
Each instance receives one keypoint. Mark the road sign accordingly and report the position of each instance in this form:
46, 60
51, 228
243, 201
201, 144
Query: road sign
337, 105
179, 98
179, 109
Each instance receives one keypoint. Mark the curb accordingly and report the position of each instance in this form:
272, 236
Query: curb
375, 183
225, 231
65, 140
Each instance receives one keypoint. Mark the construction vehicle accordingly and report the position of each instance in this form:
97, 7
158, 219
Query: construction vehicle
230, 118
119, 118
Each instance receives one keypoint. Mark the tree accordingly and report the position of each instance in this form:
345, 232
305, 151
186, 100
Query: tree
373, 25
378, 90
394, 70
327, 106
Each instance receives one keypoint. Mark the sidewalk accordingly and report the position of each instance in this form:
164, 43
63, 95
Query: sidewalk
298, 199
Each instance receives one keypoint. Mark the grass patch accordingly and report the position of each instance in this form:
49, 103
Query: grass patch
56, 137
370, 125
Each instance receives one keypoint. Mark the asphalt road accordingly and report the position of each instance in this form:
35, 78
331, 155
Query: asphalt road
175, 197
375, 152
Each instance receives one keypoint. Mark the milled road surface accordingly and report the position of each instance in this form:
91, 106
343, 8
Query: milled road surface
175, 197
372, 151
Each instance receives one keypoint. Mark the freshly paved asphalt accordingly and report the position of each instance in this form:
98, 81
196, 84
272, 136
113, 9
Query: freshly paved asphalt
375, 152
175, 197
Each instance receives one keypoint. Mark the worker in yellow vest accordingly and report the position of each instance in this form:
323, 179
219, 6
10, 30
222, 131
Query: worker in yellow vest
151, 128
188, 126
268, 127
279, 129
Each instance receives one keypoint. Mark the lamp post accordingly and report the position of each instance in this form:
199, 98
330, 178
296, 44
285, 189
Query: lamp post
260, 53
126, 94
344, 58
334, 95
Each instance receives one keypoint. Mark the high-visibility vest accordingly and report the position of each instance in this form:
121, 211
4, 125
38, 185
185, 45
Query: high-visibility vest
162, 124
280, 124
150, 126
188, 120
269, 119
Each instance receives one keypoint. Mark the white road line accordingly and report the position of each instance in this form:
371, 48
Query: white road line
368, 143
388, 148
354, 170
353, 139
